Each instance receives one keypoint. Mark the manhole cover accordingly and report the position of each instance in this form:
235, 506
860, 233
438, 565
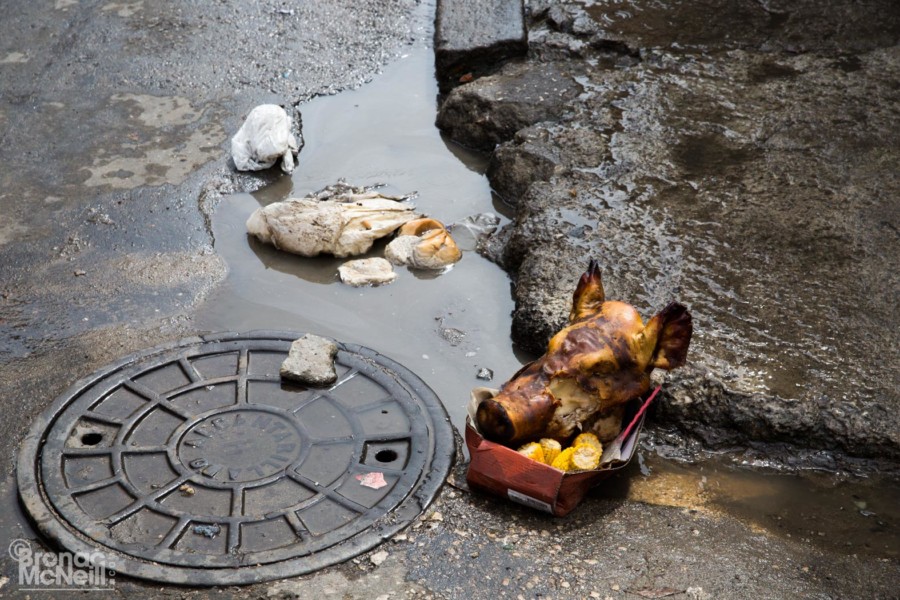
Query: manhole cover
193, 463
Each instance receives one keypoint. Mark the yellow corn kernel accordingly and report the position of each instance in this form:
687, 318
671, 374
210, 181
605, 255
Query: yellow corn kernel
585, 457
551, 450
590, 439
563, 462
533, 451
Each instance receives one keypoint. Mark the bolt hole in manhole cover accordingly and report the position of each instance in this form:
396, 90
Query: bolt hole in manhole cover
194, 463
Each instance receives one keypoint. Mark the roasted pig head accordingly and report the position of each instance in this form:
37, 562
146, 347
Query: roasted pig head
596, 364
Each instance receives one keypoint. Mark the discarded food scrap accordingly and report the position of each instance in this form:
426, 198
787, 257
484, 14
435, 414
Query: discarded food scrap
595, 365
423, 244
263, 139
584, 453
341, 220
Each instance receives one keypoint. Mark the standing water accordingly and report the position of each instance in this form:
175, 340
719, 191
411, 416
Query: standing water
446, 327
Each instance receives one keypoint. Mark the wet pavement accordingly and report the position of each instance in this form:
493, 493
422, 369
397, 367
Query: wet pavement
93, 272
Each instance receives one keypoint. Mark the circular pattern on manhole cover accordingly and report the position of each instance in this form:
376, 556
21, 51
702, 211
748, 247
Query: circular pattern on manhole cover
195, 463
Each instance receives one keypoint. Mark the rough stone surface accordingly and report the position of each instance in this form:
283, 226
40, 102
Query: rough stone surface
367, 271
492, 109
473, 36
537, 153
311, 361
747, 172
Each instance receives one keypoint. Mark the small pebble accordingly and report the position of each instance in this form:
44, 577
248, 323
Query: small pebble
485, 374
378, 558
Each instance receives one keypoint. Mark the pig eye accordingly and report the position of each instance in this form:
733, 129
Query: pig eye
603, 367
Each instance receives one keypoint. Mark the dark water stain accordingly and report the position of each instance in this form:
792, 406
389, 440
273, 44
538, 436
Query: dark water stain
848, 64
710, 155
769, 71
799, 26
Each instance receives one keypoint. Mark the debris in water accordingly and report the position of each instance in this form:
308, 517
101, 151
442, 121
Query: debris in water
423, 244
367, 271
451, 335
311, 361
339, 220
263, 139
485, 374
209, 531
372, 480
472, 232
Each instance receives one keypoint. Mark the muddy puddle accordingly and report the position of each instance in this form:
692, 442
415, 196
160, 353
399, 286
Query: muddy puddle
448, 327
848, 515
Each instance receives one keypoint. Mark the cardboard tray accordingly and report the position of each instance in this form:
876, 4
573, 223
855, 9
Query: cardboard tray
502, 471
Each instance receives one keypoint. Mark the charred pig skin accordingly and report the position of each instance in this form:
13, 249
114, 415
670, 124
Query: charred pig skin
592, 367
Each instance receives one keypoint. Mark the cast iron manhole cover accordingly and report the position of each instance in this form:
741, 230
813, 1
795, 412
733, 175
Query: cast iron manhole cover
193, 463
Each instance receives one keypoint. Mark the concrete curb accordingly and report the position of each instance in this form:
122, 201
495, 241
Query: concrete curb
473, 36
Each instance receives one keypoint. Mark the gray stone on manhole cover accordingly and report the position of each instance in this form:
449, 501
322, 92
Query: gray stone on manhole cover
194, 463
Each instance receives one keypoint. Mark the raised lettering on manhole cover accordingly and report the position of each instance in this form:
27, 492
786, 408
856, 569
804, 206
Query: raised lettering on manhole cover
194, 463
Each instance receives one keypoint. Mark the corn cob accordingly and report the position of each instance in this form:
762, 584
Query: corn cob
590, 439
533, 451
585, 457
563, 462
551, 449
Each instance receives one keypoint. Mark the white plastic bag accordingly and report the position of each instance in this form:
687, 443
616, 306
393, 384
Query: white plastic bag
264, 138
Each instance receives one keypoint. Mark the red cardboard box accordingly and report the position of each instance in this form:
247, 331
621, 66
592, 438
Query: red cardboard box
504, 472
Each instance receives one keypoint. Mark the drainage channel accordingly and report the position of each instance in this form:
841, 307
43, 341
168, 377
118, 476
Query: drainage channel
194, 463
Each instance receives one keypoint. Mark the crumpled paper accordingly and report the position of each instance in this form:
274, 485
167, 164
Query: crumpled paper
372, 480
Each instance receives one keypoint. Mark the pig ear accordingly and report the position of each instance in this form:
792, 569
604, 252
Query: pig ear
672, 328
588, 295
